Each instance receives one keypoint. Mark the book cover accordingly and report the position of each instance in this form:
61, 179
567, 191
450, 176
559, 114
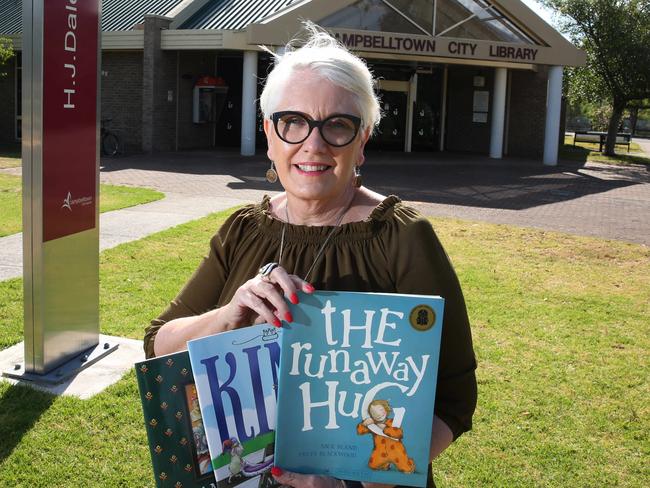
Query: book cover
175, 431
357, 386
236, 374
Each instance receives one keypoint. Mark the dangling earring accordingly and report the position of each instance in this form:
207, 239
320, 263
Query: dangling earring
357, 180
271, 174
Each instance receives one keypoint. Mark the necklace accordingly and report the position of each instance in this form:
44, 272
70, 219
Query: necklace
322, 247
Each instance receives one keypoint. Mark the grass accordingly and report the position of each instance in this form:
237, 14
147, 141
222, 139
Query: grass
561, 334
586, 151
10, 156
111, 197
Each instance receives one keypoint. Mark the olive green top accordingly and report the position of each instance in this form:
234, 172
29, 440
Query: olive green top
394, 250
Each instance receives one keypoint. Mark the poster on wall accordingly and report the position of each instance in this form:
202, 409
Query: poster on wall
481, 101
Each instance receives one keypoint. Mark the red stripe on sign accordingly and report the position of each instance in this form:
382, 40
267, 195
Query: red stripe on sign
69, 116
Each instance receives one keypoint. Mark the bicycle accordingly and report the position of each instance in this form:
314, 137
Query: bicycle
110, 142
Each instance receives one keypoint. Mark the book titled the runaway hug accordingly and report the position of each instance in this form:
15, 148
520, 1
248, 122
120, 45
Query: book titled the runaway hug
236, 374
357, 386
179, 451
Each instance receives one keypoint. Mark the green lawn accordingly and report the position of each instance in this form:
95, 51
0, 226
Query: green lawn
111, 197
561, 333
585, 151
10, 156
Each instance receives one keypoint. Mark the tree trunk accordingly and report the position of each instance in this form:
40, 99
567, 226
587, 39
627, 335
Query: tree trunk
634, 116
612, 129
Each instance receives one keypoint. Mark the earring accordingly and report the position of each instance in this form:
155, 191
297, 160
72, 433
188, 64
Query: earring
357, 180
271, 174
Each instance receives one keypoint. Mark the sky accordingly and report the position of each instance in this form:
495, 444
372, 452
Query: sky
543, 12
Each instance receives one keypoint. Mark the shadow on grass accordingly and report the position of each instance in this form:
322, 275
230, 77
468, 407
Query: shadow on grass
569, 152
10, 151
20, 409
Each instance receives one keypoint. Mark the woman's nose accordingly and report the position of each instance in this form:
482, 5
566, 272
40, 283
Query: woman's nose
315, 142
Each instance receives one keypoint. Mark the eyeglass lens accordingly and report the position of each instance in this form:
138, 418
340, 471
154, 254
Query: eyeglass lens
337, 131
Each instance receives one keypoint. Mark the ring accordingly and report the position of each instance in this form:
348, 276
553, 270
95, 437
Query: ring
265, 271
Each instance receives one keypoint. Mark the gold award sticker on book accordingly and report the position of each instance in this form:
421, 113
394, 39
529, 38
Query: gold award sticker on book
422, 317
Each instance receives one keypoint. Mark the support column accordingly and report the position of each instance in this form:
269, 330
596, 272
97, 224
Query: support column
248, 103
553, 109
443, 109
498, 112
153, 80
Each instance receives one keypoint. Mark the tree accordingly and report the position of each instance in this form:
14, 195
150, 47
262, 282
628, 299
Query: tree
6, 53
616, 37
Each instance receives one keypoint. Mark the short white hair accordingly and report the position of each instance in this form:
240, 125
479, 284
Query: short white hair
328, 58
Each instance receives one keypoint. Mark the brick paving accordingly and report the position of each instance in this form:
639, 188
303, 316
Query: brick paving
591, 200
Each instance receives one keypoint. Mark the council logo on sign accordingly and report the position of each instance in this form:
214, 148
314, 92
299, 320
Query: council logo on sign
68, 202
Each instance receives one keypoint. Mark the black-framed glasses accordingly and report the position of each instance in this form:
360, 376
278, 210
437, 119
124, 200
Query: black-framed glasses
337, 130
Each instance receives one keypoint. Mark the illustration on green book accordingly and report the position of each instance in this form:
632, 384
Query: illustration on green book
358, 375
236, 374
175, 430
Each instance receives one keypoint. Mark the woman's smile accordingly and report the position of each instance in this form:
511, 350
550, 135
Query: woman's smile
312, 169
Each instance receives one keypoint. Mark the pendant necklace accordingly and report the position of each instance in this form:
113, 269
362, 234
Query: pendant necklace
325, 242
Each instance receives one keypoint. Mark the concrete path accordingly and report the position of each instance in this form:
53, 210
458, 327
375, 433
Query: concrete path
591, 200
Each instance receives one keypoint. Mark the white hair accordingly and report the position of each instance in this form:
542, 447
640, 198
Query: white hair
325, 56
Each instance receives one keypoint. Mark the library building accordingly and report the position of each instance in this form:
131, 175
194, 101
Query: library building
481, 76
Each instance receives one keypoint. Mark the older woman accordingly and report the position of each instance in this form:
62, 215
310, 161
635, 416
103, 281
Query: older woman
324, 231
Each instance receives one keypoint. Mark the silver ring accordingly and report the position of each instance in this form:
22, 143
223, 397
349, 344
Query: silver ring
265, 271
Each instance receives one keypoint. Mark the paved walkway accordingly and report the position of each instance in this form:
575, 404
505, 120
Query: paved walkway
592, 200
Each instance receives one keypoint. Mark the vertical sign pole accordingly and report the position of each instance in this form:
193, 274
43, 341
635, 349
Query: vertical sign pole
61, 46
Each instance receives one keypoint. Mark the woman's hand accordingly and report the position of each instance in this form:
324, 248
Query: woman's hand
297, 480
262, 299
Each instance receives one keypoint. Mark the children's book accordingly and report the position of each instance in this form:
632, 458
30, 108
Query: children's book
236, 374
175, 431
357, 386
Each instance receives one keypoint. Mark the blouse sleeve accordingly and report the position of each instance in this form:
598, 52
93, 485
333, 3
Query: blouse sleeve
201, 293
422, 267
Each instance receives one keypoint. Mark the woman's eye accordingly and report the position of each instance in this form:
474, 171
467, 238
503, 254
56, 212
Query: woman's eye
294, 121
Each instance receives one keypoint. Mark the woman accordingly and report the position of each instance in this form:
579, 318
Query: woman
324, 231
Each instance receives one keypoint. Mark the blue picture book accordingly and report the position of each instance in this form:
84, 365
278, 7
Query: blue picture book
357, 386
236, 374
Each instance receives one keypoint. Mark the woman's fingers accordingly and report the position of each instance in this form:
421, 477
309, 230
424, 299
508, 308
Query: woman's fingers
265, 296
298, 480
249, 299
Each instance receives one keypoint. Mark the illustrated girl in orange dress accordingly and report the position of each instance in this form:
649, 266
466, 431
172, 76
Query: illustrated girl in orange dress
388, 447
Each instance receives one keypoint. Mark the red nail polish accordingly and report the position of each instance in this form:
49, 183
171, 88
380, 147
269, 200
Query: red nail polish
288, 317
277, 323
275, 471
294, 298
310, 288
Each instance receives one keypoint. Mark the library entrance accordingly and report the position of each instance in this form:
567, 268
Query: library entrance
411, 98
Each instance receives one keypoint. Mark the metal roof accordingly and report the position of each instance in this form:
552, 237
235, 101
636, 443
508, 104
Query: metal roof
117, 15
121, 15
234, 14
11, 16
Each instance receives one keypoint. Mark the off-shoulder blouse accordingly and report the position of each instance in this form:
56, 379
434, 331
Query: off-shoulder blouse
395, 250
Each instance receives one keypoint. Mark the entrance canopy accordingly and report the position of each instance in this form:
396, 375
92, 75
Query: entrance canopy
496, 31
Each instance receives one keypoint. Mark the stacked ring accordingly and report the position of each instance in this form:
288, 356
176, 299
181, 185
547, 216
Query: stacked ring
265, 271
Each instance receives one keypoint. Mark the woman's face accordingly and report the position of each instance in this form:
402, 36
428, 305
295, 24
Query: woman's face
314, 170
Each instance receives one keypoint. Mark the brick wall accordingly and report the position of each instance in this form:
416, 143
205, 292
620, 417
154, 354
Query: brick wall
461, 133
121, 92
527, 113
8, 103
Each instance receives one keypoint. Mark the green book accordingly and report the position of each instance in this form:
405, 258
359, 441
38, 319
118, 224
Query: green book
175, 430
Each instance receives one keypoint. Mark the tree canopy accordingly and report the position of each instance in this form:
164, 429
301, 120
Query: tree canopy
616, 37
6, 53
